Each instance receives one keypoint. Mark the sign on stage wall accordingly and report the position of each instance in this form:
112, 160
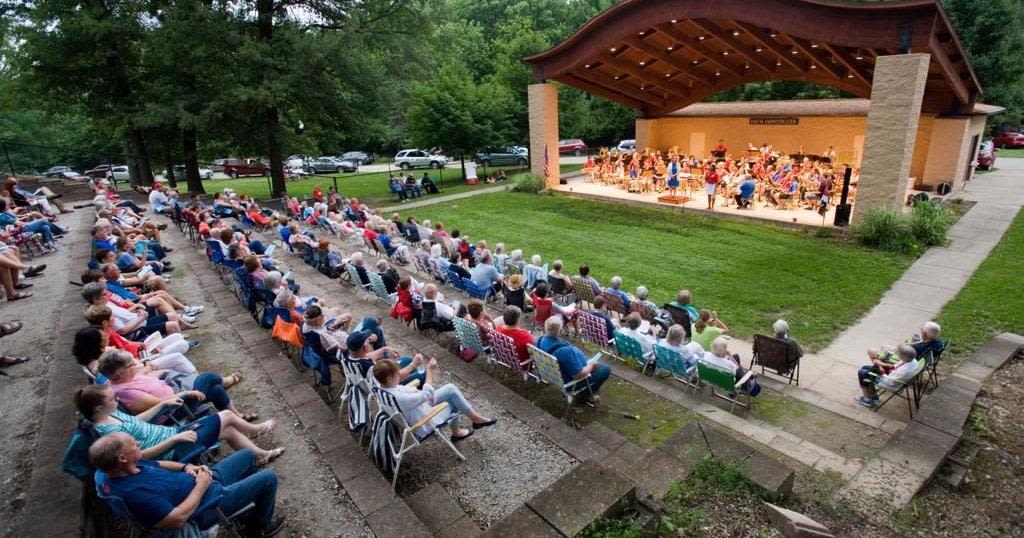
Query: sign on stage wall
774, 121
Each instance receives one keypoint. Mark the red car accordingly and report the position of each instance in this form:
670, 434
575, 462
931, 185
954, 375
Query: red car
986, 155
245, 167
572, 145
1009, 140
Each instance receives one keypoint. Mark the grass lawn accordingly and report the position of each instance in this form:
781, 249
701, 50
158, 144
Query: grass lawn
752, 274
991, 301
370, 188
1010, 154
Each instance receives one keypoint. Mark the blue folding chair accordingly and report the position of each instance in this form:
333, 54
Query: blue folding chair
120, 509
474, 290
319, 360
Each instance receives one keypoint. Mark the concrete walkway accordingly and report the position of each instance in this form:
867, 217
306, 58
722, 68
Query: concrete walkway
932, 281
446, 198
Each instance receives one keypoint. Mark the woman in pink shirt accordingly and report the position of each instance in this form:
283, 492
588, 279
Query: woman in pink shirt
139, 391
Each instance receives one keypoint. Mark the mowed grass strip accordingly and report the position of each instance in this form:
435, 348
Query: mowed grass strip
991, 302
369, 188
752, 274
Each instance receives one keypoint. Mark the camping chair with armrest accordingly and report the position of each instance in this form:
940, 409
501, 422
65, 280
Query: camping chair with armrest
468, 335
584, 291
909, 390
402, 433
120, 509
319, 360
726, 381
931, 375
287, 332
503, 352
380, 290
265, 313
630, 347
547, 370
559, 291
428, 320
776, 354
680, 317
474, 290
672, 360
455, 280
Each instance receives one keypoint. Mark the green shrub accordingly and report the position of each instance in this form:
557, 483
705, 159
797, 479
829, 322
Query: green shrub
931, 223
613, 528
925, 226
886, 229
529, 184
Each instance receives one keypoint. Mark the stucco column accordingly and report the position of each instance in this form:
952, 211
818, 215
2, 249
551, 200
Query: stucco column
645, 133
896, 94
543, 105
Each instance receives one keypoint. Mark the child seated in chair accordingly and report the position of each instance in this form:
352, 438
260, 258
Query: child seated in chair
889, 376
416, 404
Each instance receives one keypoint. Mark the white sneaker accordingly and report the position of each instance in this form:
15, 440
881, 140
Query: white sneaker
188, 319
194, 309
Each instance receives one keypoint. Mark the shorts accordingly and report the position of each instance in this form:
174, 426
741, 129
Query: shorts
156, 324
710, 188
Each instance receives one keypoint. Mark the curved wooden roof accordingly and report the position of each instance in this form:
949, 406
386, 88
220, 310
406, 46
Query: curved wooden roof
661, 55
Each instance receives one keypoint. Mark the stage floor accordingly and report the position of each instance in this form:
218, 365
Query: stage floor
698, 202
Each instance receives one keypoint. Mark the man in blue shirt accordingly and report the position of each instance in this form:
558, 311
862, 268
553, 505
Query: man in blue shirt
572, 362
485, 275
168, 494
746, 194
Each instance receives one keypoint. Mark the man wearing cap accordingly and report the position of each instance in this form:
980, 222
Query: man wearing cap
158, 199
360, 349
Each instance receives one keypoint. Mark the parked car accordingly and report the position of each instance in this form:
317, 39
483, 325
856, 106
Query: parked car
119, 173
295, 161
418, 158
57, 171
245, 167
987, 155
332, 164
218, 165
71, 174
1009, 140
572, 145
501, 157
179, 172
627, 145
100, 170
360, 157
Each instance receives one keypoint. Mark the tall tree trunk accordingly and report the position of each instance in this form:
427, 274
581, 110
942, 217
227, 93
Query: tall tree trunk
274, 148
265, 18
172, 181
141, 156
189, 146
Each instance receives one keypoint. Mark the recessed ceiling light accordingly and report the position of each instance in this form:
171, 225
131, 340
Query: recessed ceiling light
849, 75
736, 32
718, 73
694, 62
814, 45
758, 48
670, 49
642, 62
673, 21
667, 75
586, 66
778, 62
725, 53
813, 66
746, 65
701, 37
794, 51
613, 49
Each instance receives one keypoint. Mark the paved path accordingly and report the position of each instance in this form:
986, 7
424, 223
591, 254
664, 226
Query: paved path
446, 198
933, 280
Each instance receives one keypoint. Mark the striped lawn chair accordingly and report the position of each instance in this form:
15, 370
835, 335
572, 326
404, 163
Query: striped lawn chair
353, 276
392, 429
546, 367
503, 352
358, 395
380, 290
594, 330
468, 335
672, 360
584, 291
629, 347
732, 390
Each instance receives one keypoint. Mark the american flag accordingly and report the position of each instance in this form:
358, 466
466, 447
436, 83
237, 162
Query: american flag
546, 173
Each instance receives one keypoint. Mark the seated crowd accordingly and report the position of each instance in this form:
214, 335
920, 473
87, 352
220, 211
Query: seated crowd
150, 406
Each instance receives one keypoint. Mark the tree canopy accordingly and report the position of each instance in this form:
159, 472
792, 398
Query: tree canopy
166, 82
